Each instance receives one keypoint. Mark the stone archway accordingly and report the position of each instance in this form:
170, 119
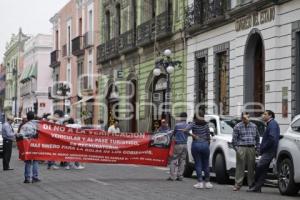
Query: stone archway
254, 74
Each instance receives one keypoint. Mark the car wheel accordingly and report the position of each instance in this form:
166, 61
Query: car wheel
188, 169
286, 183
220, 169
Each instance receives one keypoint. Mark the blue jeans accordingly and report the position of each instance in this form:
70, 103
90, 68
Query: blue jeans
200, 152
35, 168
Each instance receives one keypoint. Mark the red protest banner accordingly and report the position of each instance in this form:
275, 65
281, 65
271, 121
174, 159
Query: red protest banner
60, 143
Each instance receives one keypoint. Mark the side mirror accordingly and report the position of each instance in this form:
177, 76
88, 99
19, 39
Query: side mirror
212, 131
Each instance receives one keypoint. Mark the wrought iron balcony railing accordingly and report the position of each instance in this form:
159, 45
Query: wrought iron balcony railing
108, 50
100, 53
163, 25
77, 46
205, 12
54, 59
145, 32
127, 41
112, 48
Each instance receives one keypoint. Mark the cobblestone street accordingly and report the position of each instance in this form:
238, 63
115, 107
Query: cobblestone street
113, 182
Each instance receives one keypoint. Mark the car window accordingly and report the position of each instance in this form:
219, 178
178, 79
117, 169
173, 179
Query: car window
296, 126
260, 126
213, 124
227, 125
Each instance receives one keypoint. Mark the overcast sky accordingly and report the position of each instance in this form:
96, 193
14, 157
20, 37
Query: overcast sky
31, 15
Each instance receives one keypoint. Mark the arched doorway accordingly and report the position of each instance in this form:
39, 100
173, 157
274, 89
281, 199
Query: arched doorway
112, 99
254, 74
132, 93
160, 99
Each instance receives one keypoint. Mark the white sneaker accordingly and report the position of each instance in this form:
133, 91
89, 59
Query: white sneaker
68, 167
199, 185
79, 167
54, 167
208, 185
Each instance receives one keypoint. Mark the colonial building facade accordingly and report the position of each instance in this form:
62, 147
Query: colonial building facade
133, 37
13, 63
36, 76
2, 91
244, 55
75, 36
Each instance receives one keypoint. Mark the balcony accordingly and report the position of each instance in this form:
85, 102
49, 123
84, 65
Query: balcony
145, 33
127, 41
204, 14
77, 46
100, 53
88, 39
54, 62
163, 25
108, 50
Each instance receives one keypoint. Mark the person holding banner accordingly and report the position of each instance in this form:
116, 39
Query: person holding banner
180, 149
164, 127
71, 123
114, 128
29, 131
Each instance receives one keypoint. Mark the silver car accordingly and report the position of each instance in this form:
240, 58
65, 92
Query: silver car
288, 162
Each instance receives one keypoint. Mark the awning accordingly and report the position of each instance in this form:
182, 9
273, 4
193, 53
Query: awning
33, 71
85, 99
24, 76
28, 73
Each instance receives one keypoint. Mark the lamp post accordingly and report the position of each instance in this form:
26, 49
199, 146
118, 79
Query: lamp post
167, 65
15, 73
63, 90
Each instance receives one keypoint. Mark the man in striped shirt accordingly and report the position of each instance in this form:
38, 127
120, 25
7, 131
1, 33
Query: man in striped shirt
245, 141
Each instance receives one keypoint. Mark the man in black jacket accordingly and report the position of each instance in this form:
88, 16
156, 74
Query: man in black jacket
268, 150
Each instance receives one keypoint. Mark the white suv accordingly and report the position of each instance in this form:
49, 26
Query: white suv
222, 159
288, 160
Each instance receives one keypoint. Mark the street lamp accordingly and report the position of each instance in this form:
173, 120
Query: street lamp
15, 73
63, 90
167, 65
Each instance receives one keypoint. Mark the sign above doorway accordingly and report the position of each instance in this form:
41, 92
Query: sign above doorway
255, 19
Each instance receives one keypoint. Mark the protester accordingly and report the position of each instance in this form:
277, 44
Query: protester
71, 123
245, 141
29, 131
164, 126
200, 149
114, 128
24, 120
268, 150
56, 118
101, 125
8, 136
178, 159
